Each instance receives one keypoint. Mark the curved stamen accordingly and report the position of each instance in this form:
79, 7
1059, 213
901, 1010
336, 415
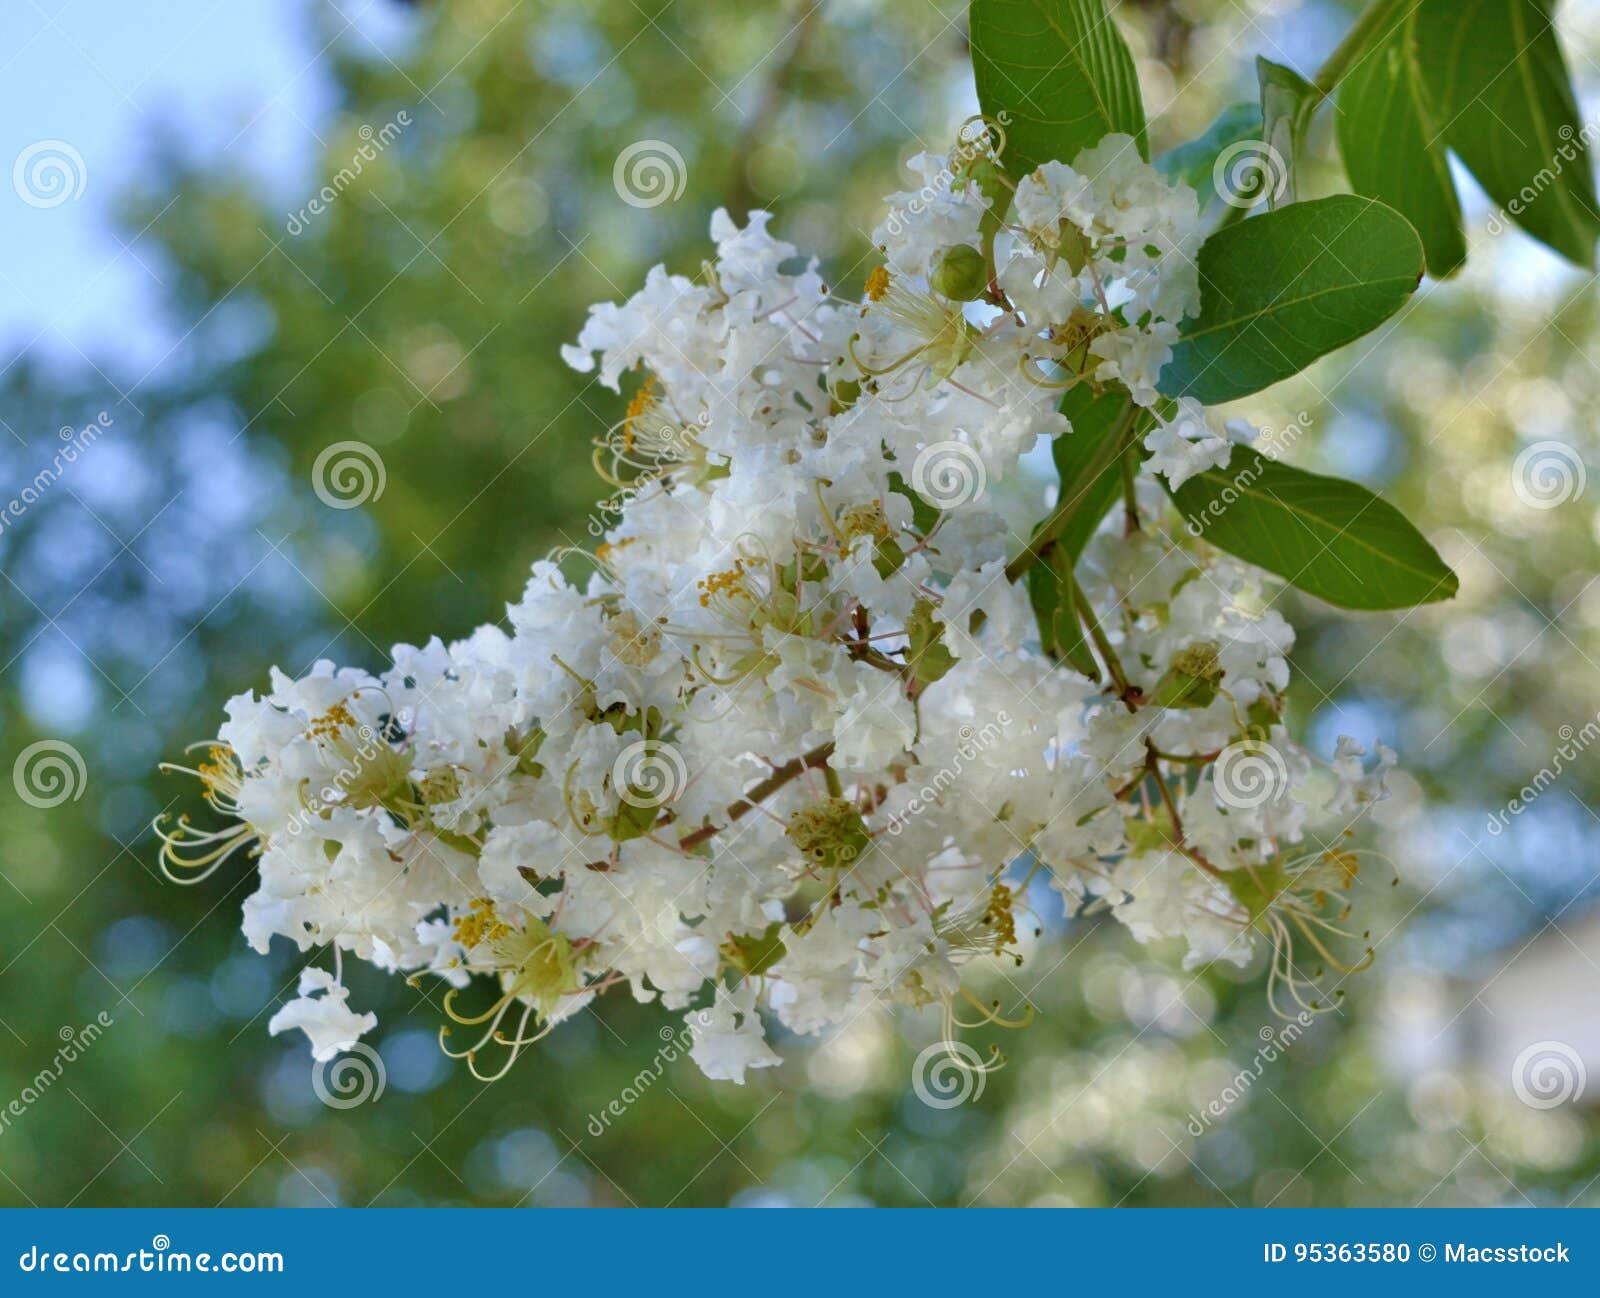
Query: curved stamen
869, 371
1038, 378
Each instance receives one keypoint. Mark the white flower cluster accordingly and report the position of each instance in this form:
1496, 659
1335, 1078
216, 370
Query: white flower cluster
791, 747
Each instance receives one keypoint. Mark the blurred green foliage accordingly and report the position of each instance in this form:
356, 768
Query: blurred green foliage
421, 313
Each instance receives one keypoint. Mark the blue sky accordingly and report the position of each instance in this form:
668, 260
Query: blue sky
235, 79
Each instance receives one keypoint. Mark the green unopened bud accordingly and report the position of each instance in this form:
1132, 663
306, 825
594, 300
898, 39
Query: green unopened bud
959, 273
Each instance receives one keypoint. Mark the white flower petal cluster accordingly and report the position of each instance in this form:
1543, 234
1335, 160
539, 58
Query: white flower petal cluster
788, 746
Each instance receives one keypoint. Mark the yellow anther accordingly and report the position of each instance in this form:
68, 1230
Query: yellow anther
640, 402
999, 917
728, 582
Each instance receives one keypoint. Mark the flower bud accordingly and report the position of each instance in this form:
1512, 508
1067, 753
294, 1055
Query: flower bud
959, 273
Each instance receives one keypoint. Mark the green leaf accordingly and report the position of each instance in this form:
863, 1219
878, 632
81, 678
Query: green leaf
923, 515
1095, 420
1195, 161
1331, 538
1281, 289
1500, 84
1060, 632
926, 653
887, 557
755, 953
1391, 139
1057, 74
1288, 103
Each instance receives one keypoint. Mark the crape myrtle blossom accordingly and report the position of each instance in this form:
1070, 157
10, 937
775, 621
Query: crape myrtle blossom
677, 767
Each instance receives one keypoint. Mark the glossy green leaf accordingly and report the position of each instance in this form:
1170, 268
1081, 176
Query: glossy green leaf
1057, 74
1391, 137
1331, 538
1496, 74
1281, 289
